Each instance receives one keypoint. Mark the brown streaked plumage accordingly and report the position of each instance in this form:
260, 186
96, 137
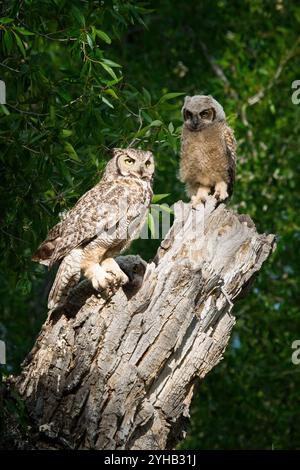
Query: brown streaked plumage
101, 225
208, 147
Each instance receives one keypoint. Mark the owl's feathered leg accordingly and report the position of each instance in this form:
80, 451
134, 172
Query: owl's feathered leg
111, 266
67, 276
221, 192
93, 254
200, 196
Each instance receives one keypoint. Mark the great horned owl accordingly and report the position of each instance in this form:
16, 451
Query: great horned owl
134, 267
208, 146
102, 224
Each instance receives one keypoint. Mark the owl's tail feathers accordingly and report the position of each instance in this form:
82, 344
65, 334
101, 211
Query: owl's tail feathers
44, 252
67, 276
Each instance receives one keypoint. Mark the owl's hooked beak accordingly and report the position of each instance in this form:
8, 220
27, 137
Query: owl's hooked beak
142, 171
195, 121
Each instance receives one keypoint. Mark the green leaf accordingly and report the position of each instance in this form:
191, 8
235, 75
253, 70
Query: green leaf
4, 109
151, 224
76, 13
169, 96
156, 123
111, 92
165, 208
159, 197
109, 70
52, 113
101, 34
23, 31
71, 151
66, 133
111, 63
105, 100
146, 117
8, 41
90, 41
5, 20
147, 95
171, 128
20, 44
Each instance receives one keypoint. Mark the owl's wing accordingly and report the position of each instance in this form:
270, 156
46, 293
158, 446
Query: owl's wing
230, 144
104, 207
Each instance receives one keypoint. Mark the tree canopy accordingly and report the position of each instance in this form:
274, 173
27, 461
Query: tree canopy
84, 77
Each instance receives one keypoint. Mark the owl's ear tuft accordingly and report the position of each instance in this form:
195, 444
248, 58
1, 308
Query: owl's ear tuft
115, 151
187, 99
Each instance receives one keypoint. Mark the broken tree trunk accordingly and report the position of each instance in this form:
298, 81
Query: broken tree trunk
120, 374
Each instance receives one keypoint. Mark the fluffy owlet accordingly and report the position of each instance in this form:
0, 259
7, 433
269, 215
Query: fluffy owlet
207, 163
134, 267
101, 225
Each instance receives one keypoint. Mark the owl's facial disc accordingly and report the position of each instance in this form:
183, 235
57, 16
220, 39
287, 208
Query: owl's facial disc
197, 120
136, 163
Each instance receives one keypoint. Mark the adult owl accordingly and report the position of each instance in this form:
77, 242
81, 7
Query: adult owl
102, 224
208, 150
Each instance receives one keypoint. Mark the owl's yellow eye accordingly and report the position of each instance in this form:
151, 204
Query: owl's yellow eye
129, 161
148, 163
135, 269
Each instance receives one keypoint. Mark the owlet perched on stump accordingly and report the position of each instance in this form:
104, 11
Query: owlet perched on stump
208, 159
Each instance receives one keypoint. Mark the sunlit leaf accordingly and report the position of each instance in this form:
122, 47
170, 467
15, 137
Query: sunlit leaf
71, 151
5, 20
151, 224
101, 34
158, 197
106, 101
156, 123
169, 96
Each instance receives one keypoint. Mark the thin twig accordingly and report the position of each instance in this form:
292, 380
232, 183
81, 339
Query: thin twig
9, 68
13, 236
139, 128
218, 71
262, 92
48, 35
26, 112
73, 101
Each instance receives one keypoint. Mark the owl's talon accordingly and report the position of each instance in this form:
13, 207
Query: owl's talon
221, 191
195, 202
119, 277
200, 197
221, 195
99, 278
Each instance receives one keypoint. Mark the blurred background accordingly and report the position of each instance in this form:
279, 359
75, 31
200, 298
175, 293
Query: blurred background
85, 76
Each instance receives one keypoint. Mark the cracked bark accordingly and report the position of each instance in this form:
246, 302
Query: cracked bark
120, 374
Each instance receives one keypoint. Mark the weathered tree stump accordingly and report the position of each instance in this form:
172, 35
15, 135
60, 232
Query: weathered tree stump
120, 374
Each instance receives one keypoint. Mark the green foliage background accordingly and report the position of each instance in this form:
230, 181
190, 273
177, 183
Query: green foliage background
83, 77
